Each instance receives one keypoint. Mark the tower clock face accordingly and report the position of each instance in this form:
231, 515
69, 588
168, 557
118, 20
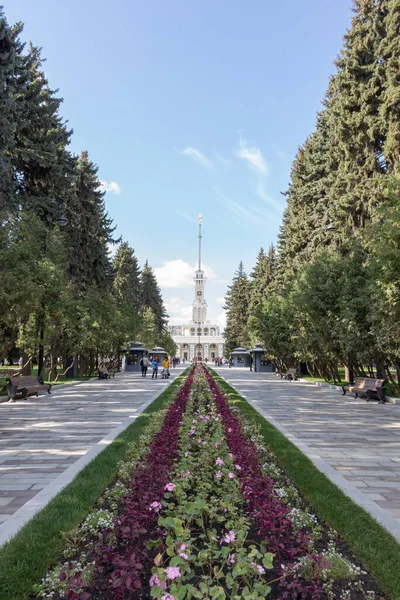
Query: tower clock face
199, 293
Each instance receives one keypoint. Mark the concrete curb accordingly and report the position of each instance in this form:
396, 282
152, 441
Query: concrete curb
17, 520
378, 513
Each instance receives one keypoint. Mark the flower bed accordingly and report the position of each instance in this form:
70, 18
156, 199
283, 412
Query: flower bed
201, 510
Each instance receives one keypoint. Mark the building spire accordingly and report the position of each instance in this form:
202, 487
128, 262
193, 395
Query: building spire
200, 218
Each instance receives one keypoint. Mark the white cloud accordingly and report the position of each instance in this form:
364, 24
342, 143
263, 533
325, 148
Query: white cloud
198, 157
179, 312
179, 274
187, 217
221, 320
262, 193
225, 161
112, 250
111, 187
253, 156
247, 212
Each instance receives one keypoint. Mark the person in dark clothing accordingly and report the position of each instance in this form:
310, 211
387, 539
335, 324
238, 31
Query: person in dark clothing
144, 363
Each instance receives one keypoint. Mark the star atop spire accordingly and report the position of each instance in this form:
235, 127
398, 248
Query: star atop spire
200, 218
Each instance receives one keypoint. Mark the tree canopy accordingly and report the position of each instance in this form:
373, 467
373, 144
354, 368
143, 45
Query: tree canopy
331, 298
61, 293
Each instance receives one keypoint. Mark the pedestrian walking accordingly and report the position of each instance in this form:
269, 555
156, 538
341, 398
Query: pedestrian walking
154, 364
144, 363
166, 365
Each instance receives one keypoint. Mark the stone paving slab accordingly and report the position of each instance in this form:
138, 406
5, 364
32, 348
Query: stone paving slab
354, 442
43, 438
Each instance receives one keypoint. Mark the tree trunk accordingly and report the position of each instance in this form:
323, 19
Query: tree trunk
27, 364
53, 365
348, 374
380, 369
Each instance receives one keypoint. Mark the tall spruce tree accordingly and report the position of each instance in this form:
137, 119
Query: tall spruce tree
262, 278
10, 66
306, 225
237, 302
89, 229
357, 118
152, 298
390, 53
127, 284
39, 156
148, 330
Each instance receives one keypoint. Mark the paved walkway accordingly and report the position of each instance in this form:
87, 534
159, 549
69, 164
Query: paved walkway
41, 438
355, 443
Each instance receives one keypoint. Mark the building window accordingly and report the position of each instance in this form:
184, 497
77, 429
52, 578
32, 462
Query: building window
205, 330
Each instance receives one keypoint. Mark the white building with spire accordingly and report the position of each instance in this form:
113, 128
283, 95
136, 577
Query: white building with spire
198, 338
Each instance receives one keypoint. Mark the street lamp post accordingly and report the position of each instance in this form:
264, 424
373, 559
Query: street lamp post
61, 221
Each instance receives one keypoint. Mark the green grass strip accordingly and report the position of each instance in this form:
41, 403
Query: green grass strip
371, 543
26, 558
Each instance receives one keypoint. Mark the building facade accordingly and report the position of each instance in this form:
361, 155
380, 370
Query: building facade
198, 338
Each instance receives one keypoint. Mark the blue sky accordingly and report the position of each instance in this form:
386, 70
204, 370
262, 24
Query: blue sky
190, 106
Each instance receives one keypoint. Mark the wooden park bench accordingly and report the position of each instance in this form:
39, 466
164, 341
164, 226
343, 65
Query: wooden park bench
25, 386
290, 375
373, 389
103, 373
8, 373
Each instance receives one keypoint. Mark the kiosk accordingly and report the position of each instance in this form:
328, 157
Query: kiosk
241, 357
260, 363
134, 355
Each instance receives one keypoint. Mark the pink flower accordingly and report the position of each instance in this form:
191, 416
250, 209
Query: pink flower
231, 559
229, 537
186, 475
219, 461
260, 569
183, 555
218, 474
214, 539
170, 487
229, 429
155, 580
231, 475
187, 454
182, 547
156, 506
238, 467
167, 597
172, 572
